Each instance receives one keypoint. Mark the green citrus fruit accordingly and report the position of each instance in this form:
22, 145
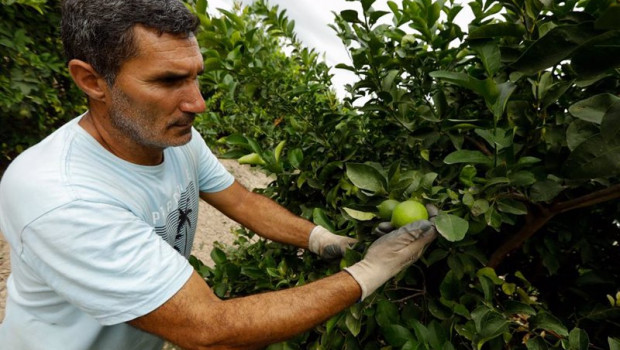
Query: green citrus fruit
408, 212
386, 207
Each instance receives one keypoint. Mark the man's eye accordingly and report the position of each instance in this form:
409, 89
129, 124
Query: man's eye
171, 80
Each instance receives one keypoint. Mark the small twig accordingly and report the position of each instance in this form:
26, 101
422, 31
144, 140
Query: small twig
409, 297
479, 145
405, 288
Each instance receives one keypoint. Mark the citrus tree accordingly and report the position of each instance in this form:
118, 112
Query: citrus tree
510, 129
36, 92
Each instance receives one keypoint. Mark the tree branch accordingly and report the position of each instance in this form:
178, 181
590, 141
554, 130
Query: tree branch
538, 216
607, 194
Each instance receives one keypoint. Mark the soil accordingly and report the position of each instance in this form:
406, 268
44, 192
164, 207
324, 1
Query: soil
212, 227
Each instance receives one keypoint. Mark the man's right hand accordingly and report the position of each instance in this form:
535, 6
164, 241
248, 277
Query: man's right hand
392, 253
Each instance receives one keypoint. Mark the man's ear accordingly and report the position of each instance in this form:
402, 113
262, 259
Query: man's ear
87, 79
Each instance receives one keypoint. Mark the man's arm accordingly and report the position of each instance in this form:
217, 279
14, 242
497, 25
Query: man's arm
195, 318
261, 215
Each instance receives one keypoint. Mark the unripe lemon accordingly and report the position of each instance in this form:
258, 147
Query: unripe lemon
408, 212
386, 207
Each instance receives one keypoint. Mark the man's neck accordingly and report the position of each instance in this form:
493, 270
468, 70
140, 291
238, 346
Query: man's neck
115, 142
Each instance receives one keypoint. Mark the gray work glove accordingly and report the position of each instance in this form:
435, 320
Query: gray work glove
328, 245
387, 227
392, 253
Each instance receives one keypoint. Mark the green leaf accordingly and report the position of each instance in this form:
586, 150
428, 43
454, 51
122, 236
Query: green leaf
468, 156
366, 4
610, 125
536, 343
614, 343
467, 175
511, 206
594, 158
366, 177
522, 178
451, 227
295, 157
218, 256
438, 310
545, 191
437, 335
489, 324
479, 207
486, 88
490, 273
518, 308
554, 93
359, 215
421, 332
548, 322
396, 335
496, 30
498, 106
578, 340
497, 138
354, 325
450, 287
278, 150
386, 313
593, 108
350, 16
579, 131
487, 287
201, 6
280, 346
597, 56
552, 48
375, 15
488, 51
319, 217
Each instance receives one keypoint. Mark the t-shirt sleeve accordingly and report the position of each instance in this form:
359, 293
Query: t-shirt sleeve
212, 176
104, 260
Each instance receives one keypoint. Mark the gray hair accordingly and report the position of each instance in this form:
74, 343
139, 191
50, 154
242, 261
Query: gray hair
101, 32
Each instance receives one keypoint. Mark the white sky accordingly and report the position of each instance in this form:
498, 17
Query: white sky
312, 18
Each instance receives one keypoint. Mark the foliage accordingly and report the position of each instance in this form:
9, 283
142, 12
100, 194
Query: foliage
506, 128
511, 129
258, 78
36, 92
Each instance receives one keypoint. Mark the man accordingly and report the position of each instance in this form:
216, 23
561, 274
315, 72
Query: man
100, 215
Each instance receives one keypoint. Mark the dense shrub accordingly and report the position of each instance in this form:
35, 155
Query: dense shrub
36, 92
511, 129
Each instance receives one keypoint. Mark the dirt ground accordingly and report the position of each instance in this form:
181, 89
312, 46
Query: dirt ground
212, 225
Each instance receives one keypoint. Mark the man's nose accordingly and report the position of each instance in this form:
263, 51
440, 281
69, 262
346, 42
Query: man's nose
192, 100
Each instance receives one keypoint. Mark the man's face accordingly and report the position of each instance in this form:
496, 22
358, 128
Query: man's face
155, 96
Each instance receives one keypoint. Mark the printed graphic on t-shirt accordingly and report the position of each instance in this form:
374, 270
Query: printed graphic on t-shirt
181, 223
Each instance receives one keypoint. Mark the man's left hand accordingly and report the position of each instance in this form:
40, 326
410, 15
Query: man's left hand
328, 245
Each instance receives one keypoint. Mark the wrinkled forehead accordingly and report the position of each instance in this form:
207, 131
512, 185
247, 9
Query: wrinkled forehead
156, 51
148, 41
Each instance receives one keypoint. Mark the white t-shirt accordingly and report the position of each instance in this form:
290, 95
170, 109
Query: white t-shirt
97, 241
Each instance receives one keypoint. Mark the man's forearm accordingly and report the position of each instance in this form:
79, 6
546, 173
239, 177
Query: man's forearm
261, 215
196, 319
276, 223
270, 317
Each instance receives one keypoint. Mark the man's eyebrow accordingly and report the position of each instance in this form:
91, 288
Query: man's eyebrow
171, 75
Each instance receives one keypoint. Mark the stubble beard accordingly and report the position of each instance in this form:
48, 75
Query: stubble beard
136, 125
